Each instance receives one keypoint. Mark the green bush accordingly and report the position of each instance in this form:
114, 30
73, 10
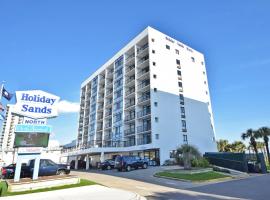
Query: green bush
200, 162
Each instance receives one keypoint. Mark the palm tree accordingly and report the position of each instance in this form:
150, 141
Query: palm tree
188, 152
264, 133
251, 135
221, 145
238, 146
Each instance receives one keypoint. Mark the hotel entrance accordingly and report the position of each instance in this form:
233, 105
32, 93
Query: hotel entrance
152, 155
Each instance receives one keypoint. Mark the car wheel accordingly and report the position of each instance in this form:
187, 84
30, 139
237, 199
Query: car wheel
61, 172
109, 167
144, 165
128, 168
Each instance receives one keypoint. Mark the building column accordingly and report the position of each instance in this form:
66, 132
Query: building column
87, 161
76, 162
102, 157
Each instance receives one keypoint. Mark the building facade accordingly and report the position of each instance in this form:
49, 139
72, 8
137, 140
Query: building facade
147, 100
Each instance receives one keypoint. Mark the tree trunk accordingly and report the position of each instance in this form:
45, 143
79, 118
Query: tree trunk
267, 150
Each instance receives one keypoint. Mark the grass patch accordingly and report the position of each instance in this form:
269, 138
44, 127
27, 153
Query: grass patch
268, 167
204, 176
4, 192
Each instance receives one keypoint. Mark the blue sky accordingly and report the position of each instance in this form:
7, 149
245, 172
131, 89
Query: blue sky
54, 45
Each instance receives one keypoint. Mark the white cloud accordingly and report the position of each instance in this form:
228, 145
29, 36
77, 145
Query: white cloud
68, 107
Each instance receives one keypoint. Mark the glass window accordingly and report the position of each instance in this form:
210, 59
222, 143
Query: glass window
154, 76
167, 47
192, 59
180, 84
178, 72
154, 63
153, 51
177, 51
156, 104
177, 62
184, 125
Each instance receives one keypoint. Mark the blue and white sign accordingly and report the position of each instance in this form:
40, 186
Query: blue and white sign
36, 104
28, 120
25, 128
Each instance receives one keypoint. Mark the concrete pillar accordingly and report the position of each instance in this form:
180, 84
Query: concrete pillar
36, 168
102, 157
18, 169
76, 162
87, 161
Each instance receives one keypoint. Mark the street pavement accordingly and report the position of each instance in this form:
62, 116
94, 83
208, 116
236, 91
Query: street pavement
95, 192
143, 183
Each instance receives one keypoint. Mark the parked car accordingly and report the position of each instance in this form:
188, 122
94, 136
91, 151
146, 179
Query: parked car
107, 164
129, 162
81, 164
46, 168
9, 171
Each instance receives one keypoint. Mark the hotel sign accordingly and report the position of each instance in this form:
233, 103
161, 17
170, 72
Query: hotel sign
25, 128
36, 104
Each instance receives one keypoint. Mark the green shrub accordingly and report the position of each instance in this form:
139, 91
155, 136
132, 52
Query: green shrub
200, 162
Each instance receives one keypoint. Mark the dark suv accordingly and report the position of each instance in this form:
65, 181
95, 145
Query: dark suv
129, 162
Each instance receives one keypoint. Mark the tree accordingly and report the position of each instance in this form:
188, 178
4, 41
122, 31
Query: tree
264, 132
250, 134
188, 152
221, 145
238, 146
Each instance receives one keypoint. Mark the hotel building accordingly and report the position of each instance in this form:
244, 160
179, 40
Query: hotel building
148, 99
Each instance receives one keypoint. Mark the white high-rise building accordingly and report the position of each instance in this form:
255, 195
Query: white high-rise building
147, 100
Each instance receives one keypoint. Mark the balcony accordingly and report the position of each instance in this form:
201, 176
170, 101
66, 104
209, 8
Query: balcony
143, 98
108, 126
129, 104
142, 61
129, 117
143, 113
144, 84
130, 142
129, 131
130, 80
130, 69
143, 72
108, 113
144, 128
130, 91
130, 58
142, 48
145, 139
109, 92
100, 107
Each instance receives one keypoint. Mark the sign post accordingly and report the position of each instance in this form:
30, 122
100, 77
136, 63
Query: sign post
36, 107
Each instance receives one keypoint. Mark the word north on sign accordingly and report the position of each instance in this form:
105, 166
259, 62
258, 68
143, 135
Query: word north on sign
36, 104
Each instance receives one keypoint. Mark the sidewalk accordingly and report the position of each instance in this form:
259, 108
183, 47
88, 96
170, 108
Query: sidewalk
80, 193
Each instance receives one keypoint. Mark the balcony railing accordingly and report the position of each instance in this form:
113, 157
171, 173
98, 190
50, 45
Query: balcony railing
146, 140
142, 72
130, 79
130, 91
129, 104
108, 125
143, 113
130, 68
143, 59
143, 98
130, 57
144, 84
144, 128
129, 117
129, 131
142, 48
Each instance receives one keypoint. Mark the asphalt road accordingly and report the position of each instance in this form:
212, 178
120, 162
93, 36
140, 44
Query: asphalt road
143, 183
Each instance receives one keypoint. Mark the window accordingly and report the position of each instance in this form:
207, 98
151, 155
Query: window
180, 84
205, 82
153, 51
153, 40
184, 125
177, 51
156, 119
177, 62
154, 76
157, 136
154, 63
185, 138
192, 59
182, 110
155, 89
206, 92
156, 104
203, 72
167, 47
117, 117
178, 72
202, 63
181, 97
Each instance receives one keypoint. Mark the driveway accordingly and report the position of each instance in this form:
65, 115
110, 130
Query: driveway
143, 183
